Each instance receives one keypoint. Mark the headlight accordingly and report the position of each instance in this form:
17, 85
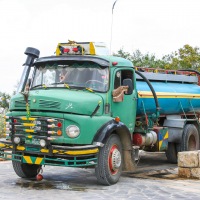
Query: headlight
42, 143
17, 140
72, 131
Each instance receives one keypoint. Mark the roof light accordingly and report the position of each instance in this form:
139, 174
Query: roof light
75, 49
66, 50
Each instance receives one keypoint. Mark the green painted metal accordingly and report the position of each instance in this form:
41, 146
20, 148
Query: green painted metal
52, 161
75, 107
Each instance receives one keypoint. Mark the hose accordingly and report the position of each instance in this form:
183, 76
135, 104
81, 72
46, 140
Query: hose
151, 88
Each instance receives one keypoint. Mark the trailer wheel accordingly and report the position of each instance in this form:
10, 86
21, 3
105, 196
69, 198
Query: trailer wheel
109, 166
171, 152
190, 138
24, 170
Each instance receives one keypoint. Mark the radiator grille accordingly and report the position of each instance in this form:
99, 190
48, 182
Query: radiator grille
49, 104
21, 103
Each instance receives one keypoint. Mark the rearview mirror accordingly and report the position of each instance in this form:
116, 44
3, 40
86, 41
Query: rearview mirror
128, 82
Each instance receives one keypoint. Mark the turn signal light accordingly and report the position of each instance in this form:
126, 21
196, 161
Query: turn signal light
117, 119
59, 132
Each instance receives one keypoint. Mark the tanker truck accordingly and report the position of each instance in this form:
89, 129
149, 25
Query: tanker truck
85, 108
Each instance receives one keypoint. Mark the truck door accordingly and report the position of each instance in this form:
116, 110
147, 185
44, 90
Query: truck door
124, 99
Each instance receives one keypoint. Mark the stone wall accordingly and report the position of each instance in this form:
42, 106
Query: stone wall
189, 164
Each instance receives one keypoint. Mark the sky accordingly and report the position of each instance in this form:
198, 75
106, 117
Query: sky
158, 27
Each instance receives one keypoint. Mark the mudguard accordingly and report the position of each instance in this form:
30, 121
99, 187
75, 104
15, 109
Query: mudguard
112, 126
123, 132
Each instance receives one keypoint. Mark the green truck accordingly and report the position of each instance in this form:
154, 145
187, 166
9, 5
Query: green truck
84, 108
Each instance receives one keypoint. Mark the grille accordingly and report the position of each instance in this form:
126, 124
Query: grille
49, 104
21, 103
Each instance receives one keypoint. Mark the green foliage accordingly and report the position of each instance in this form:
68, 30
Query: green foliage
187, 57
4, 101
2, 131
142, 60
4, 105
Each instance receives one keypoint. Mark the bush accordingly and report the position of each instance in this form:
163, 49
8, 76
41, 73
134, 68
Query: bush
2, 131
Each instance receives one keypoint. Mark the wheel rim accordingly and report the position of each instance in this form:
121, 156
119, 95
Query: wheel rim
114, 159
192, 143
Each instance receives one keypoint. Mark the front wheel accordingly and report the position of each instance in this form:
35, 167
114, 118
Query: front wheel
109, 166
24, 170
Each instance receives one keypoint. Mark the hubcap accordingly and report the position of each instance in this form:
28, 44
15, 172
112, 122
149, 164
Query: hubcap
114, 159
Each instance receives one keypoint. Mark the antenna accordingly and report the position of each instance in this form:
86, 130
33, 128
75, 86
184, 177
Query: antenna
112, 26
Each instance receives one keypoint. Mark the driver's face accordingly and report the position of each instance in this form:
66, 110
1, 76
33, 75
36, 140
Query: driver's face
62, 76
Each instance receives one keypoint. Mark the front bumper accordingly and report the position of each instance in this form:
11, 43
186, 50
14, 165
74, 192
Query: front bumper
69, 156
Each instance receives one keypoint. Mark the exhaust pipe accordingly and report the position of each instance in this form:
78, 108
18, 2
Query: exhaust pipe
32, 54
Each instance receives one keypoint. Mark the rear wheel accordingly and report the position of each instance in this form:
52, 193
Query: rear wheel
172, 152
24, 170
190, 142
190, 139
109, 167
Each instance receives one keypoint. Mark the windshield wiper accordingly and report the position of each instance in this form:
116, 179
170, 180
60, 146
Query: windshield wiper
43, 85
89, 89
59, 83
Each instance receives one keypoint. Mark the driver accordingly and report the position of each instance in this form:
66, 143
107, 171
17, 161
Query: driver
63, 75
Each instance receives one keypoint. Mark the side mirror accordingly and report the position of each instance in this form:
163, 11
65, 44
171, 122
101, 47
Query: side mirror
128, 82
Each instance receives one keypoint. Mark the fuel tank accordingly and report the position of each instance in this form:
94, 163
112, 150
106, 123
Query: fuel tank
176, 94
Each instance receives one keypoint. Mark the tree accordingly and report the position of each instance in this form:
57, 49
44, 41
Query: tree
142, 60
4, 101
187, 57
4, 105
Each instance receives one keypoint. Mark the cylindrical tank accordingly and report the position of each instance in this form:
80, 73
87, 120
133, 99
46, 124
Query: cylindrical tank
173, 97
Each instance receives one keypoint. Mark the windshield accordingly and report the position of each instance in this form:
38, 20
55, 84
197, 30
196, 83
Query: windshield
79, 76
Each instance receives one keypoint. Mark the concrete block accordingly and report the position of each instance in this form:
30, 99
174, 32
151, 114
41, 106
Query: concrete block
188, 159
184, 172
199, 157
195, 173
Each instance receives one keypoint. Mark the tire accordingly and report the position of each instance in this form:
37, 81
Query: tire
172, 152
24, 170
190, 138
109, 166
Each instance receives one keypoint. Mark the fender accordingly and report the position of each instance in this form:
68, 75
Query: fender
125, 136
112, 126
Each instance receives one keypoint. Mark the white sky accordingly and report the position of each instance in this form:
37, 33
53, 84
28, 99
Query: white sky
155, 26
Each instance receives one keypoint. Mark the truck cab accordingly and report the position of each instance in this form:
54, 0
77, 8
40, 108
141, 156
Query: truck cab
71, 110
